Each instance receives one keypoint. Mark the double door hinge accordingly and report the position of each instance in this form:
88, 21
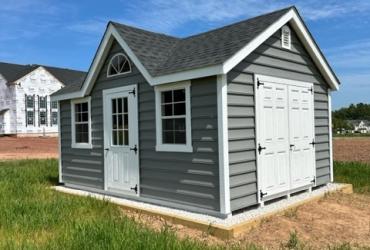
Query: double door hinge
313, 143
262, 194
260, 148
259, 83
133, 92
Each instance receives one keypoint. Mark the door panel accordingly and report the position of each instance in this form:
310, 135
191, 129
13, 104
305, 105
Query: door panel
274, 159
301, 122
120, 137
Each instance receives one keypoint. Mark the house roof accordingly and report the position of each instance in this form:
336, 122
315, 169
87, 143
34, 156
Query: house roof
163, 59
12, 72
161, 54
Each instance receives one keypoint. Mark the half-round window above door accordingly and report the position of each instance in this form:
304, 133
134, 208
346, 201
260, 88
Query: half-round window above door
118, 65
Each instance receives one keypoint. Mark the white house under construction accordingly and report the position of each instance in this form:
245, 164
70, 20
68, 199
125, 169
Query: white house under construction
25, 106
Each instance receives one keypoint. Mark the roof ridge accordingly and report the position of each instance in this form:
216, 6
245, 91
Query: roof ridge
239, 22
144, 30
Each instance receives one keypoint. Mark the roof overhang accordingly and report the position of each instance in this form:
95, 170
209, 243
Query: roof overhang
291, 16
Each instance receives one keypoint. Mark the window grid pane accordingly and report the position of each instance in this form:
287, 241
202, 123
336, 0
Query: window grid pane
173, 106
120, 122
81, 122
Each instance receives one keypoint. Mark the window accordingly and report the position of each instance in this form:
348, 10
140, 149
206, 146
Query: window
118, 65
42, 110
42, 117
285, 37
30, 118
173, 118
30, 109
54, 118
54, 105
120, 122
81, 125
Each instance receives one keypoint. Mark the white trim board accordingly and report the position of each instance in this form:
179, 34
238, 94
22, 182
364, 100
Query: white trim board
330, 138
223, 145
291, 16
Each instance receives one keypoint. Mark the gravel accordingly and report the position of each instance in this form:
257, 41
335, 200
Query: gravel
228, 222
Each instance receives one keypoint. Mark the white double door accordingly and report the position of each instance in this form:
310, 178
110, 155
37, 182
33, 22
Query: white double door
285, 136
121, 140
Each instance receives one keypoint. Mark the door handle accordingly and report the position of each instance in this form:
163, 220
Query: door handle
134, 149
291, 146
106, 149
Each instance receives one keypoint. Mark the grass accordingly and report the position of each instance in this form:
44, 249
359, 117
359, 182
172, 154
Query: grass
358, 174
33, 216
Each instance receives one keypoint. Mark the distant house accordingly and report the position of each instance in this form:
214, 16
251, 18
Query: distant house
25, 107
360, 126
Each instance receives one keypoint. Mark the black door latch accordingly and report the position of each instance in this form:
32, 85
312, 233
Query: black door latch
134, 188
260, 148
291, 146
262, 194
134, 149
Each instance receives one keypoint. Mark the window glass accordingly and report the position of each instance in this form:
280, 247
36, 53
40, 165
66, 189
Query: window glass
42, 102
30, 101
81, 122
42, 117
54, 118
173, 117
120, 122
30, 118
54, 105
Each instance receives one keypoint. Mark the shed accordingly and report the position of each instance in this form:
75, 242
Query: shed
211, 123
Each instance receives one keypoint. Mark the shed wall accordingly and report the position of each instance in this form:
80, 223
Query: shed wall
272, 60
189, 179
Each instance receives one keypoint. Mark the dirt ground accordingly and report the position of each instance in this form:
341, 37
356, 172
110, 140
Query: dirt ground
334, 220
352, 149
28, 147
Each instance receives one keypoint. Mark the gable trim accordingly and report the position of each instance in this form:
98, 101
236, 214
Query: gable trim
298, 26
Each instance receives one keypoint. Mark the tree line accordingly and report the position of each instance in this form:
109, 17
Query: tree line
360, 111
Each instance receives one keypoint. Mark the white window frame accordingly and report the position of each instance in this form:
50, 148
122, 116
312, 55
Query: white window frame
43, 110
73, 127
118, 74
160, 146
283, 30
30, 109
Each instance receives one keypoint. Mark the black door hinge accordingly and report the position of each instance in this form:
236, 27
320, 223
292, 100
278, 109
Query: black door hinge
311, 89
134, 149
133, 92
262, 194
313, 143
314, 180
260, 148
259, 83
134, 188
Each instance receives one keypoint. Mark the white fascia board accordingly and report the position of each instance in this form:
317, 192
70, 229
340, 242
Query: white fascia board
330, 138
298, 26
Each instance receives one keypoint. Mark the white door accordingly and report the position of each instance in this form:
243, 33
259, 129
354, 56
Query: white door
285, 134
273, 143
301, 136
121, 140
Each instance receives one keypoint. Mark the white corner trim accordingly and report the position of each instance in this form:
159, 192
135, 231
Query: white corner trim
158, 109
59, 146
223, 145
330, 138
303, 34
73, 129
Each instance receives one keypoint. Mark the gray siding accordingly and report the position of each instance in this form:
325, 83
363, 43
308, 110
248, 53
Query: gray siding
270, 59
182, 178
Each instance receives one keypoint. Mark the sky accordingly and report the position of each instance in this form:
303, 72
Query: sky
66, 33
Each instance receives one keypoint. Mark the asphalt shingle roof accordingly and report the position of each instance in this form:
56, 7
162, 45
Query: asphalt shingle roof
161, 54
12, 72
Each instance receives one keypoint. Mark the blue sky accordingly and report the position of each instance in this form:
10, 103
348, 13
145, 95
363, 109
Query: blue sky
66, 33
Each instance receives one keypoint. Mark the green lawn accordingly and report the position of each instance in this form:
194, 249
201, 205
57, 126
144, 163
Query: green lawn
33, 216
358, 174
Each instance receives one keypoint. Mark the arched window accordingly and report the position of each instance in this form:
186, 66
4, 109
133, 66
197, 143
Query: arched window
118, 65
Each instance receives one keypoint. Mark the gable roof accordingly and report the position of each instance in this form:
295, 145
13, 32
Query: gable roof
164, 59
12, 72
